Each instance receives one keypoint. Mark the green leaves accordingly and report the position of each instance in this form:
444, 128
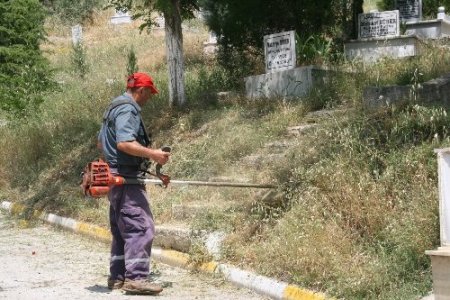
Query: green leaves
24, 72
142, 9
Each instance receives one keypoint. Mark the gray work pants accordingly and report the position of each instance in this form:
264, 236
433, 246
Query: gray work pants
132, 231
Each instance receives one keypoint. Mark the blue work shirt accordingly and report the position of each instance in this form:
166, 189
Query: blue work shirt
122, 124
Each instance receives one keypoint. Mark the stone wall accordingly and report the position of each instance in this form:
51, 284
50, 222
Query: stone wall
430, 29
286, 84
371, 50
435, 90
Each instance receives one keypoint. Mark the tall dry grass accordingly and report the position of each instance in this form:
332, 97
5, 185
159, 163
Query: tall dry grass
359, 193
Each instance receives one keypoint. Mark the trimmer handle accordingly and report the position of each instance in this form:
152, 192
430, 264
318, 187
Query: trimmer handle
165, 149
164, 178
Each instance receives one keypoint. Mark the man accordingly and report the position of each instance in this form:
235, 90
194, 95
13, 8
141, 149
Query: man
125, 145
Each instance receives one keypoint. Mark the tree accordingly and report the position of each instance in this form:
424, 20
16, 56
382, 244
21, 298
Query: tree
24, 73
241, 25
349, 18
244, 23
174, 11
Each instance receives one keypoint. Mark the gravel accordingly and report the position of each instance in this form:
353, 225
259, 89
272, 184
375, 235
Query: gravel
47, 263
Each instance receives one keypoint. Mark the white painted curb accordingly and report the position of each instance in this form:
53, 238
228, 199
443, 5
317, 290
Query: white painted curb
260, 284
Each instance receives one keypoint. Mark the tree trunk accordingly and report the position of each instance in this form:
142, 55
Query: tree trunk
357, 8
174, 48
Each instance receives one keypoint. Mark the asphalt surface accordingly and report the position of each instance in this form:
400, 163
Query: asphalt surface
47, 263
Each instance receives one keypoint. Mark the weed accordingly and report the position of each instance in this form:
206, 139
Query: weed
79, 59
132, 65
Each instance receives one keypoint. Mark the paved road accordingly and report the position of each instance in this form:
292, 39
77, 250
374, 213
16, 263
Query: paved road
47, 263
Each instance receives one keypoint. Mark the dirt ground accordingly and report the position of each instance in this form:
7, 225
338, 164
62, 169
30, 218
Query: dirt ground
47, 263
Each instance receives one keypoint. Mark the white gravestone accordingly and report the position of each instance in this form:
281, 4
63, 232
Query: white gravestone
410, 10
444, 194
279, 50
77, 34
160, 22
210, 46
120, 17
379, 24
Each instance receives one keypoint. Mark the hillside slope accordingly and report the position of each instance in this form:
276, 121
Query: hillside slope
356, 204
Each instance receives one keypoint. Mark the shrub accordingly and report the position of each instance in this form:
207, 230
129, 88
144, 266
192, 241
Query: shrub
132, 65
24, 73
79, 59
313, 50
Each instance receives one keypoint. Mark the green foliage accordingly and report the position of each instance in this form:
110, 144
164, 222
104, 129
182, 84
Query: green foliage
73, 12
313, 50
244, 23
240, 63
241, 25
24, 73
79, 59
144, 9
132, 65
205, 83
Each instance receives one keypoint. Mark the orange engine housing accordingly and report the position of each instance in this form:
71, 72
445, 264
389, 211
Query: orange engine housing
97, 178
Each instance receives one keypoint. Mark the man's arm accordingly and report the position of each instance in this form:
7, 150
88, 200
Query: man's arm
136, 149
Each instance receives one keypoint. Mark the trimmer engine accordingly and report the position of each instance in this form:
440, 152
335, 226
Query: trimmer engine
97, 178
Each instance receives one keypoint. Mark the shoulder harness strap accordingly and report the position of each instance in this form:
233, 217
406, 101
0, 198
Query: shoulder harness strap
120, 102
115, 104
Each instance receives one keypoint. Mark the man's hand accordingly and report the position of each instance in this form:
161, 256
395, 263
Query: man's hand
136, 149
159, 156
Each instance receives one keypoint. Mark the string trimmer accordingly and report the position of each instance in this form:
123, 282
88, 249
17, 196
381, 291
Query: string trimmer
97, 180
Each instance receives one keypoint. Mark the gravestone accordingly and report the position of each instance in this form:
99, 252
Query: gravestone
121, 17
379, 24
410, 10
77, 34
210, 46
160, 22
440, 258
279, 49
212, 38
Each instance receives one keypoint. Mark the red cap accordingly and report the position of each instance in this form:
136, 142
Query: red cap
141, 80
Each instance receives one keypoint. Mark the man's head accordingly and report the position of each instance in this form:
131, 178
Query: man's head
141, 87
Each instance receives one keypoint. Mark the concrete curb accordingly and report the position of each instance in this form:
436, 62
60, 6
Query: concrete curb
260, 284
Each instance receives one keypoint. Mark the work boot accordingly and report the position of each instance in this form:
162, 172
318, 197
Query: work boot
141, 286
114, 284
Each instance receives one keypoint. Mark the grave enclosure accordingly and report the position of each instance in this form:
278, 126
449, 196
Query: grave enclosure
395, 33
282, 78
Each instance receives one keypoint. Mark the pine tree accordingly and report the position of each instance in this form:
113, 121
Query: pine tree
24, 72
